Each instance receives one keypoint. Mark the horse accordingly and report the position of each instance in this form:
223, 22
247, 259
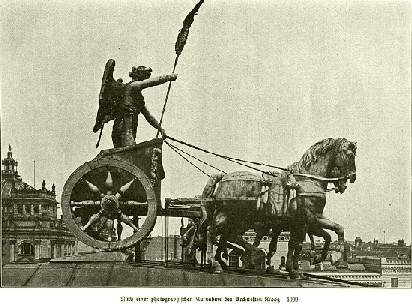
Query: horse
329, 160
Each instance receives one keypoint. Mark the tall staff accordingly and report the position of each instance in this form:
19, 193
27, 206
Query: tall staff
179, 45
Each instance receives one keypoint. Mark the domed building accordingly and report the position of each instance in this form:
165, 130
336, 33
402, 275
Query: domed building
31, 230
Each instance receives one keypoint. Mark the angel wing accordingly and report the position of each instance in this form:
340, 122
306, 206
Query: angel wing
111, 93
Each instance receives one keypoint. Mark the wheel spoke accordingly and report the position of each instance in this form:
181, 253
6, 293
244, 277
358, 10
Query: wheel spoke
93, 188
124, 188
109, 180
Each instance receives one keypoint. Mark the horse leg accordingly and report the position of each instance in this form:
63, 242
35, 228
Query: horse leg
213, 230
250, 250
301, 233
221, 248
289, 256
218, 227
258, 238
296, 256
291, 248
261, 228
320, 232
337, 228
298, 230
273, 244
312, 241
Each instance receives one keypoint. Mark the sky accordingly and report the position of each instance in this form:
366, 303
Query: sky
258, 80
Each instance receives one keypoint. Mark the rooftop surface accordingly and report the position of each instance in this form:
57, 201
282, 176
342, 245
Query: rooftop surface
121, 274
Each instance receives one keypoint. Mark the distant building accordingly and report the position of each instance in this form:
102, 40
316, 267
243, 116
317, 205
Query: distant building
31, 231
401, 243
396, 272
371, 263
391, 261
381, 250
354, 273
358, 242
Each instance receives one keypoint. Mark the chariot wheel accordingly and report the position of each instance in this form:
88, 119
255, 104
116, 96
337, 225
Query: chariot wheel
103, 193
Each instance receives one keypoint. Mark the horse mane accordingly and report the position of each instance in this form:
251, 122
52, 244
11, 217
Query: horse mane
321, 148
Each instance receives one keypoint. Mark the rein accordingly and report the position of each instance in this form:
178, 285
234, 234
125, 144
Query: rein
232, 159
242, 162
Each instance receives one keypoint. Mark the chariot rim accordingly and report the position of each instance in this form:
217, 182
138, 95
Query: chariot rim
130, 241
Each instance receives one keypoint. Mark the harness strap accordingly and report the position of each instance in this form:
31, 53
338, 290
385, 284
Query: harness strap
322, 179
312, 194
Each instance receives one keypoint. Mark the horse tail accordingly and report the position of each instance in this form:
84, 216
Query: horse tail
211, 185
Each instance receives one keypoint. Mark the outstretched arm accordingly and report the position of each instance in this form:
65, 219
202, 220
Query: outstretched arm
153, 81
152, 121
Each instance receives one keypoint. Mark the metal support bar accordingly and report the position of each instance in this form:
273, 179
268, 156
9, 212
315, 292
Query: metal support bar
166, 240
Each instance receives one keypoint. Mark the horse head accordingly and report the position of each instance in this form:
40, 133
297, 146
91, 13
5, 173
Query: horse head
330, 158
344, 165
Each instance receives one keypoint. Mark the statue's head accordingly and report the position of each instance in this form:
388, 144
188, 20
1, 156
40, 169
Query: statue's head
140, 73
